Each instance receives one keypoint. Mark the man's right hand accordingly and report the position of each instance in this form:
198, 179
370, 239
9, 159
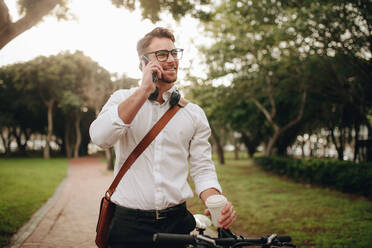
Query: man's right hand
128, 109
147, 70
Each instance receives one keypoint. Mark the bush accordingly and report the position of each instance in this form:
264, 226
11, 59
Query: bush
341, 175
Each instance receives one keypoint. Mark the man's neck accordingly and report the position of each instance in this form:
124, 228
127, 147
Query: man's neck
163, 87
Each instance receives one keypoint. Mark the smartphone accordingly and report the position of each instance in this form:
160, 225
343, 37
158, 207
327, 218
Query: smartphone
154, 74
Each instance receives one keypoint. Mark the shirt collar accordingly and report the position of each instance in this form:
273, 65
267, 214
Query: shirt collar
168, 93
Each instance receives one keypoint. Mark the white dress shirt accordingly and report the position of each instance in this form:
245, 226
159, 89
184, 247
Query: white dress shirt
158, 178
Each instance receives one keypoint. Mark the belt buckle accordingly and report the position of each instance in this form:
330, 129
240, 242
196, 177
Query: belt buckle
157, 215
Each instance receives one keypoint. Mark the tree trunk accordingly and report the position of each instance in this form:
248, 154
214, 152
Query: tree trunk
78, 134
249, 144
356, 145
219, 148
19, 133
316, 146
236, 150
6, 138
2, 140
235, 143
311, 148
270, 117
27, 133
303, 148
67, 139
272, 141
50, 105
9, 30
340, 146
369, 147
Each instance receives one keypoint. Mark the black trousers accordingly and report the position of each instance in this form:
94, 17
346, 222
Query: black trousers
131, 228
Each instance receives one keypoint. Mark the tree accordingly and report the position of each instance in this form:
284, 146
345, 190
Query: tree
83, 72
344, 93
35, 10
22, 117
56, 80
265, 49
50, 76
247, 120
275, 94
76, 86
256, 71
211, 99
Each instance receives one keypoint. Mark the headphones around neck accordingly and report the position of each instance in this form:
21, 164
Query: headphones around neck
174, 98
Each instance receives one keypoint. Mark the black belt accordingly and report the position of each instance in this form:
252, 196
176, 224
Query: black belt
154, 214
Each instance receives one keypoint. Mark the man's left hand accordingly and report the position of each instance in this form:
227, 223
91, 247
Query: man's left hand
228, 216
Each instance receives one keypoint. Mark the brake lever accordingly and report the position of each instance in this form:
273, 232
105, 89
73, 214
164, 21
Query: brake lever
271, 238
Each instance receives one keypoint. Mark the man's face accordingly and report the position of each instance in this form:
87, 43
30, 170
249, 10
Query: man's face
170, 66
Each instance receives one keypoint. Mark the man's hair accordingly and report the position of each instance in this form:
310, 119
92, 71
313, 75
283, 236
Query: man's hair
158, 32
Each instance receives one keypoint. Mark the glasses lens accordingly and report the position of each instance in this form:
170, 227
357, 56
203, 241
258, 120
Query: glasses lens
162, 55
177, 53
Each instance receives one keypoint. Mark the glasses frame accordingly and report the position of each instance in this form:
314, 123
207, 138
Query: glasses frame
168, 52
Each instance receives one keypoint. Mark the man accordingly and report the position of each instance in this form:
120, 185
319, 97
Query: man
156, 184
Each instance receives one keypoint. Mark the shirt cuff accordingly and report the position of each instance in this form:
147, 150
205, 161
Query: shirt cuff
115, 119
207, 184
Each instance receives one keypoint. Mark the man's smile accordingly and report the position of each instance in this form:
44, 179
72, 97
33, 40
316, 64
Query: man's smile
170, 69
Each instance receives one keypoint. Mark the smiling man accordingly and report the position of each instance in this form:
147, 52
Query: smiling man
151, 196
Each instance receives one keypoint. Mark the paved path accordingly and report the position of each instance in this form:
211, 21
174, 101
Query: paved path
69, 218
71, 222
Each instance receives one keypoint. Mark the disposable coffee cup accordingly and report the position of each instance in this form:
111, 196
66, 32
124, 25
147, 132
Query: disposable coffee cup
215, 204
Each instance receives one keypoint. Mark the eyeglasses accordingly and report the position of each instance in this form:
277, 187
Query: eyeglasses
162, 55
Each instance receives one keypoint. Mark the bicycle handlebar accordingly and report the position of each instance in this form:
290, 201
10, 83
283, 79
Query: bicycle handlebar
176, 239
185, 239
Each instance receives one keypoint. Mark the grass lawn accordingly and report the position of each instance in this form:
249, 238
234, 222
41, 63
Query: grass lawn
312, 216
25, 184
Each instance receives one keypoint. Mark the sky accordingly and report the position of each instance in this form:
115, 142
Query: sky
103, 32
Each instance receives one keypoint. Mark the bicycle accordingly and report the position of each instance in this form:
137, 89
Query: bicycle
225, 239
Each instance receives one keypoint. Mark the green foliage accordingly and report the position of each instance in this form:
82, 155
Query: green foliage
149, 9
21, 112
312, 216
61, 12
341, 175
152, 9
25, 184
273, 51
72, 85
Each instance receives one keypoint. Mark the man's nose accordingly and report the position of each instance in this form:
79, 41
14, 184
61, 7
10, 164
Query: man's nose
171, 58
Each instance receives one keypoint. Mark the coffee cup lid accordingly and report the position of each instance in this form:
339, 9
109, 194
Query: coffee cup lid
216, 201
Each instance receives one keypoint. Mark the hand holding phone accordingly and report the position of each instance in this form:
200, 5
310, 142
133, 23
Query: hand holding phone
154, 74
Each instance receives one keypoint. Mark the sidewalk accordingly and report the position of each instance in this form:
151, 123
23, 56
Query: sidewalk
72, 220
69, 218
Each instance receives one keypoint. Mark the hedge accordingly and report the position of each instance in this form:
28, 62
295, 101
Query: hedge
341, 175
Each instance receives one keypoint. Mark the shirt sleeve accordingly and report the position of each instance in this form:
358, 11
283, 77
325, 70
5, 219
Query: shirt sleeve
202, 168
109, 127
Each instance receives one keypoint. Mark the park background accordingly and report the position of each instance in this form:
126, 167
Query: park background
286, 87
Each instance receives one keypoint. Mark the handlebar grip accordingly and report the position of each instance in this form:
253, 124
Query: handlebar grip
174, 239
284, 238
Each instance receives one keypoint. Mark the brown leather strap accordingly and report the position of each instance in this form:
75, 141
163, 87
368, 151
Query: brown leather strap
150, 136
